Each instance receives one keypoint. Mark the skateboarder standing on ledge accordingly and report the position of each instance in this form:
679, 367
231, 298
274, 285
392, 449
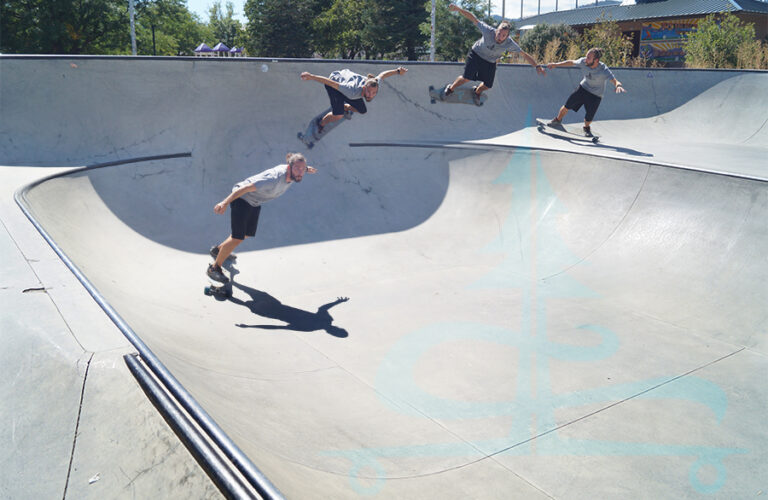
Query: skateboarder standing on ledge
590, 91
482, 57
246, 199
347, 90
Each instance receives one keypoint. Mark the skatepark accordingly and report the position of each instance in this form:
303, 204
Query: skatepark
455, 306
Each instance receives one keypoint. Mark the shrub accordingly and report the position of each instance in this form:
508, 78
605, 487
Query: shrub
716, 41
548, 42
607, 34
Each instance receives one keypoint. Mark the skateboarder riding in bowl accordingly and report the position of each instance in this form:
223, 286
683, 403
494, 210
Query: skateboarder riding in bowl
482, 57
246, 199
348, 91
590, 91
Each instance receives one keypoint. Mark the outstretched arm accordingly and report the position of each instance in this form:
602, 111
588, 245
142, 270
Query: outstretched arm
331, 304
221, 206
529, 58
619, 87
561, 64
455, 8
386, 74
325, 81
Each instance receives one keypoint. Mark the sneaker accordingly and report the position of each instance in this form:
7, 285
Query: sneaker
216, 274
554, 122
588, 132
475, 97
215, 253
447, 91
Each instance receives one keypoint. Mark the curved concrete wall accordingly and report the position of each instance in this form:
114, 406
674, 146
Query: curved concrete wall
553, 324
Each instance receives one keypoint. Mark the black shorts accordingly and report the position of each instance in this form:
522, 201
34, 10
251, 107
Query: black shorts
338, 99
244, 218
478, 69
580, 97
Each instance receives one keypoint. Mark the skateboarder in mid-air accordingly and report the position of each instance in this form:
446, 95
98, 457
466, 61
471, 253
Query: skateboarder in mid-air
246, 199
348, 91
482, 57
590, 91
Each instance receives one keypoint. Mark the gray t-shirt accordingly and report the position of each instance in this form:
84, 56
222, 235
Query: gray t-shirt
487, 48
350, 83
269, 185
594, 78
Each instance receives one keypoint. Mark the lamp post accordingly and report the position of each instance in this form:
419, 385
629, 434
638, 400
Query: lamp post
133, 27
432, 35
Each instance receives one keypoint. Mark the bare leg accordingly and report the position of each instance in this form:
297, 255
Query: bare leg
458, 82
330, 117
226, 248
480, 89
562, 113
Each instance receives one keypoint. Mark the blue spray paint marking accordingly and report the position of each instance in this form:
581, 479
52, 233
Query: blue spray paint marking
535, 256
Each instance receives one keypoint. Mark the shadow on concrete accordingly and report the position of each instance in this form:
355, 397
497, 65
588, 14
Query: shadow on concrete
267, 306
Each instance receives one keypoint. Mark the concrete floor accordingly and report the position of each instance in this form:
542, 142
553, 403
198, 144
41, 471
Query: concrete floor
527, 317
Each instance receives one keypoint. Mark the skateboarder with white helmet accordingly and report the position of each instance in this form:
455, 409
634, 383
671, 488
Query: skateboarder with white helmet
590, 91
246, 199
482, 57
348, 91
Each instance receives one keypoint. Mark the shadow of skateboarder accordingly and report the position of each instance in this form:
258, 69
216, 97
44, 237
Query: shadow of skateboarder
263, 304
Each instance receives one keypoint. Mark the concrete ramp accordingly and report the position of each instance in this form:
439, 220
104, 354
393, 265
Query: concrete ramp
456, 307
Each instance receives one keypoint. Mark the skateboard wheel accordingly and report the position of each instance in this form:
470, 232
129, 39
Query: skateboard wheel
595, 140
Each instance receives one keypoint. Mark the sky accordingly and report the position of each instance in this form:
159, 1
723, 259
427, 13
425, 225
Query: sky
511, 7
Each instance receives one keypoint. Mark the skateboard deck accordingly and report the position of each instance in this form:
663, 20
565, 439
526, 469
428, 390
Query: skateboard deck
461, 95
310, 136
542, 125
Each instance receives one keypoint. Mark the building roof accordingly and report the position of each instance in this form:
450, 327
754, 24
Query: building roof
654, 10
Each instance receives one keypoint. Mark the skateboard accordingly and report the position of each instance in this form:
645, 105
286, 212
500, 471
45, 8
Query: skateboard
562, 131
461, 95
218, 289
310, 136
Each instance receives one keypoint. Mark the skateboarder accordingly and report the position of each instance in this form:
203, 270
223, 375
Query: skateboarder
482, 57
590, 91
348, 91
246, 199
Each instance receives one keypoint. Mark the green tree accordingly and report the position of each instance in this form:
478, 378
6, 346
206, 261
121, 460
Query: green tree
339, 30
224, 27
716, 40
454, 34
166, 27
281, 28
63, 26
545, 38
394, 29
607, 35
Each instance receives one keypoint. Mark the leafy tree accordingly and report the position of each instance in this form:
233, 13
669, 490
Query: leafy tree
281, 28
607, 35
394, 30
166, 27
552, 39
224, 27
716, 40
454, 34
63, 26
339, 30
